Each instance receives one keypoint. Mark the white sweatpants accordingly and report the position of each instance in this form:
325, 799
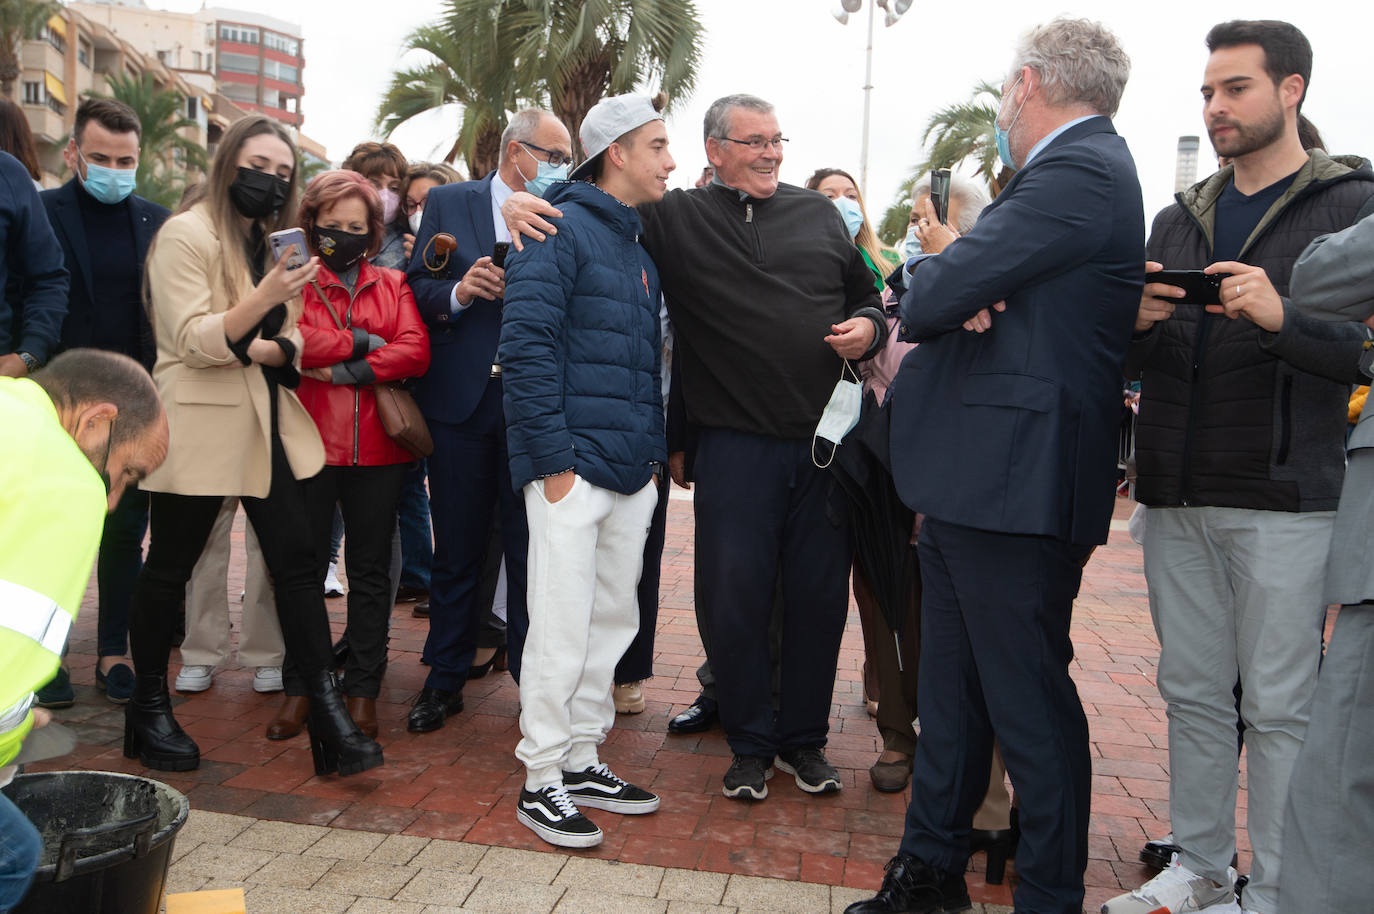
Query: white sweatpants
586, 553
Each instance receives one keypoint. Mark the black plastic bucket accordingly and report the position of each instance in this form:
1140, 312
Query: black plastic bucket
107, 840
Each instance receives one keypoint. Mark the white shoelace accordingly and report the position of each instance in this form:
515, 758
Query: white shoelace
604, 770
559, 796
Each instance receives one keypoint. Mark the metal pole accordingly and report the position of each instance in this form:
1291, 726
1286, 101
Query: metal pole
868, 93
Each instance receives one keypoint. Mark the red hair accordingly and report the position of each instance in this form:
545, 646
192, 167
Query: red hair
327, 189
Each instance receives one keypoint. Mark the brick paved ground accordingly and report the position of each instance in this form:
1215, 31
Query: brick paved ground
459, 783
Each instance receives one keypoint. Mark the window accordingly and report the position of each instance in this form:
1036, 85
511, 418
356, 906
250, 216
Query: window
240, 33
54, 39
238, 63
281, 43
239, 93
280, 71
83, 52
56, 106
192, 107
197, 59
33, 93
162, 56
210, 61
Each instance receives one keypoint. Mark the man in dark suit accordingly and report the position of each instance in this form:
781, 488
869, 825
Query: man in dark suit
1006, 440
104, 230
460, 299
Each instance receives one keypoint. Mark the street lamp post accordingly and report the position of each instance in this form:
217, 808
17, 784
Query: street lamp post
892, 11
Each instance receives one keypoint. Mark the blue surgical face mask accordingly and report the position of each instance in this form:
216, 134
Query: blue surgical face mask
543, 177
853, 216
911, 245
108, 185
1004, 135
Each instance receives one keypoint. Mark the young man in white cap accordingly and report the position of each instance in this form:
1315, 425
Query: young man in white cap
580, 352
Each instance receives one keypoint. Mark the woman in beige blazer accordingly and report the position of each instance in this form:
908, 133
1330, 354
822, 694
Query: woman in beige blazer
228, 354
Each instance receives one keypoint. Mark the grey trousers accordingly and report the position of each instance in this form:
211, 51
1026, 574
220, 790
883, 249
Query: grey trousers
1328, 838
1235, 592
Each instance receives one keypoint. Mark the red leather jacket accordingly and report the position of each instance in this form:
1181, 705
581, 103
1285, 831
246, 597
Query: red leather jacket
347, 413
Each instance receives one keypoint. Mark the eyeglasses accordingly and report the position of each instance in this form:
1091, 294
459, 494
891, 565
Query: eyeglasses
413, 206
757, 143
552, 156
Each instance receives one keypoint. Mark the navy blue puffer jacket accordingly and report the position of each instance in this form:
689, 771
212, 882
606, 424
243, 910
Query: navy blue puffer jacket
580, 348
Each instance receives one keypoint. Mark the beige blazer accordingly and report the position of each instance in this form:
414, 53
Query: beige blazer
217, 408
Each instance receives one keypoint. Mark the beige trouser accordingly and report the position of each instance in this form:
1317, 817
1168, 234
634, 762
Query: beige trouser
207, 603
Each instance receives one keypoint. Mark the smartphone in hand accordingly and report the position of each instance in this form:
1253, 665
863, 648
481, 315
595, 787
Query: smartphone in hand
498, 254
1200, 288
289, 245
939, 193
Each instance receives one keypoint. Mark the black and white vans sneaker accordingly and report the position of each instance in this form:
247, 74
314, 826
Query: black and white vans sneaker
551, 814
598, 788
809, 766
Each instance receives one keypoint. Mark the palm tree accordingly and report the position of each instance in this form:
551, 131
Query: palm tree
477, 74
492, 56
20, 20
165, 154
961, 131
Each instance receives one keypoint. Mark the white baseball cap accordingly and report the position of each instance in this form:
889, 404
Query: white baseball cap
609, 120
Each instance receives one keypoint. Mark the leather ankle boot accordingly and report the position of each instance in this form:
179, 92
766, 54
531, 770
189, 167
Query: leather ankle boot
290, 720
151, 734
364, 714
336, 743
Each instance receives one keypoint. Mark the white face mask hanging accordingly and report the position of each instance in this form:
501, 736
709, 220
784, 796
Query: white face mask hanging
840, 415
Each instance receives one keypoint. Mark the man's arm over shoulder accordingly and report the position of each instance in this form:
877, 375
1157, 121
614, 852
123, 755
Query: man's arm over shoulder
1333, 280
539, 288
1054, 219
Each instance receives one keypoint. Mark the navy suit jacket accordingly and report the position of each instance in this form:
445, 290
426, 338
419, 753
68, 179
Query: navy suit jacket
64, 212
462, 345
1014, 430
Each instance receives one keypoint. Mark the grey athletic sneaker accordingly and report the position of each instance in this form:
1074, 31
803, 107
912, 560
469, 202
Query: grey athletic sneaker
809, 766
1176, 890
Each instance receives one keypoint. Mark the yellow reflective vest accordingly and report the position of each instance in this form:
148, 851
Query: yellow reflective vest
52, 512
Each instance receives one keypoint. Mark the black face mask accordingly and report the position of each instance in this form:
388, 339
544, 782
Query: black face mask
338, 249
257, 194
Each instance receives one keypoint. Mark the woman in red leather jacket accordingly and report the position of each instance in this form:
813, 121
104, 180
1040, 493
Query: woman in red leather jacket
360, 327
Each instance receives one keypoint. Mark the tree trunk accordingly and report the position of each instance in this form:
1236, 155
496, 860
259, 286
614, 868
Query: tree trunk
584, 86
485, 156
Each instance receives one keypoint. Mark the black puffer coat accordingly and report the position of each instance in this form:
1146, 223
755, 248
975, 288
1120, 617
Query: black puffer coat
1232, 415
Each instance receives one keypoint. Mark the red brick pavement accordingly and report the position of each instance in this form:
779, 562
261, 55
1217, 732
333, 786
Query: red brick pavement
460, 782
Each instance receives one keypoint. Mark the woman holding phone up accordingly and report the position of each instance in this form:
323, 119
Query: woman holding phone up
224, 317
361, 328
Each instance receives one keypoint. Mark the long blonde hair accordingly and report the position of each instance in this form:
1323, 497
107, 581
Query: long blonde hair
867, 239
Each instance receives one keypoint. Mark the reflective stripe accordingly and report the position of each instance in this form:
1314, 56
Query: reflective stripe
36, 617
14, 715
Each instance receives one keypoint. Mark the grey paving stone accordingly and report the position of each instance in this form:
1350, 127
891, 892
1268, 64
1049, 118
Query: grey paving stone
290, 871
346, 844
596, 901
693, 886
180, 880
842, 897
996, 909
524, 866
691, 907
438, 887
279, 837
181, 848
356, 877
213, 827
512, 896
610, 877
398, 849
236, 863
450, 855
383, 906
266, 899
445, 909
756, 895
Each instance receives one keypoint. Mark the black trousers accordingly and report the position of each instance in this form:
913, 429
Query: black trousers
766, 515
367, 497
995, 653
116, 570
638, 661
181, 526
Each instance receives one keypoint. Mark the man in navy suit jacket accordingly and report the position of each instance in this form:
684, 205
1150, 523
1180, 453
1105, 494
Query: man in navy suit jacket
461, 398
104, 230
1003, 434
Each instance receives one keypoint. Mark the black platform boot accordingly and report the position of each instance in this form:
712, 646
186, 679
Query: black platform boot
336, 743
151, 734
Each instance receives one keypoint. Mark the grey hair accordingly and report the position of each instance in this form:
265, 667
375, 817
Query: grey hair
715, 124
972, 198
1079, 61
522, 127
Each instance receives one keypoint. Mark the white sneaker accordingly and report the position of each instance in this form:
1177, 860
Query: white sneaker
1176, 890
332, 587
195, 678
267, 679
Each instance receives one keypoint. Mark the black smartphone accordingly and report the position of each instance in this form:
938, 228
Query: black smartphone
498, 254
1201, 288
939, 193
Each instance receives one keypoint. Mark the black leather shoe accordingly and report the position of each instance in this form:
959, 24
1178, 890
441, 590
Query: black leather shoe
341, 652
910, 886
407, 594
431, 708
336, 743
1000, 845
702, 715
151, 733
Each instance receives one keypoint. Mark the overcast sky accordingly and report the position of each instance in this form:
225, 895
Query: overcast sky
796, 55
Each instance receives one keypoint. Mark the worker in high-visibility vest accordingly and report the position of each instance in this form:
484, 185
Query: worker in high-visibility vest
72, 438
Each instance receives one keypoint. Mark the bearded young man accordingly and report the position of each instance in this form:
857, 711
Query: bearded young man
1240, 451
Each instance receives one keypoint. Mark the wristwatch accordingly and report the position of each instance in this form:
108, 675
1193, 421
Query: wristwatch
31, 364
